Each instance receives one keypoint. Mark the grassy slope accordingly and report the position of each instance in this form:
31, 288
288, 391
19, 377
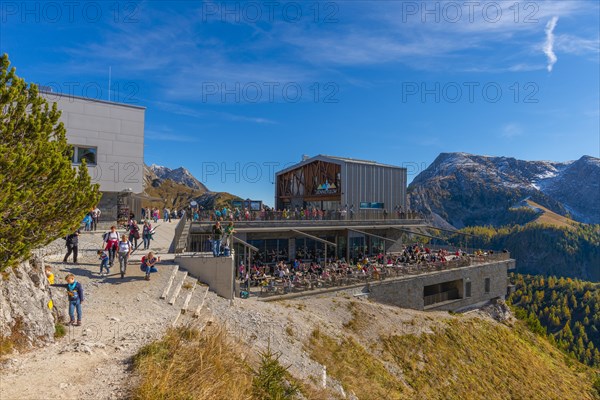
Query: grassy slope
550, 218
467, 359
460, 357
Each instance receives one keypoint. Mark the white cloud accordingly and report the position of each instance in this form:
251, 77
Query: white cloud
208, 114
167, 135
511, 130
576, 45
549, 44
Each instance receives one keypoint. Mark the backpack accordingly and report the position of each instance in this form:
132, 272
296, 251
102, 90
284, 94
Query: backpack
105, 236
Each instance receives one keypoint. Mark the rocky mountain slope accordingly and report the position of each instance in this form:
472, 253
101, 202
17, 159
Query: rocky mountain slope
179, 175
466, 190
339, 347
177, 188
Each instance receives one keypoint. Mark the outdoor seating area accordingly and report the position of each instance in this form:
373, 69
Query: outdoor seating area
284, 278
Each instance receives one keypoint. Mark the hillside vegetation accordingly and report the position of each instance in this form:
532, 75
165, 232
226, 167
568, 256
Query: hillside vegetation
177, 195
542, 249
566, 310
454, 357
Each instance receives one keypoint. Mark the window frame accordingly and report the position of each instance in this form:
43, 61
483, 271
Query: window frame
75, 157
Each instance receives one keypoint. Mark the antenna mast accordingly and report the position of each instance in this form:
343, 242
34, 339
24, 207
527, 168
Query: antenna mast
109, 76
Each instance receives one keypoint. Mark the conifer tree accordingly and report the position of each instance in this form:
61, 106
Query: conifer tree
42, 195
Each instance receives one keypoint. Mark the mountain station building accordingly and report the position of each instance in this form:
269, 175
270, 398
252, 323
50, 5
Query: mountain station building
109, 136
339, 183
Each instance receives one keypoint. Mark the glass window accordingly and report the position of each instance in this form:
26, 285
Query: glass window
468, 289
487, 285
366, 205
84, 153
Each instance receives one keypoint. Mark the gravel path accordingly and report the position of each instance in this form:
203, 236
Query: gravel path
119, 316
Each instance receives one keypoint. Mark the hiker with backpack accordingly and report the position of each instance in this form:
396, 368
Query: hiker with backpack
72, 243
125, 248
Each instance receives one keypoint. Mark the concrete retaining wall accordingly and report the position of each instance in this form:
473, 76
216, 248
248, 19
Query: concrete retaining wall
216, 272
408, 292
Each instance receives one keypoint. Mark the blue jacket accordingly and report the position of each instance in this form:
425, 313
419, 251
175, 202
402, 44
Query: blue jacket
75, 294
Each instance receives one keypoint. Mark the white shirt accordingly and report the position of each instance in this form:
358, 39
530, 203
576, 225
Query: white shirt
124, 247
112, 236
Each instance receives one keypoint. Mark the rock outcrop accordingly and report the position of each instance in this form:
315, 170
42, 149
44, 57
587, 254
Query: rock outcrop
25, 319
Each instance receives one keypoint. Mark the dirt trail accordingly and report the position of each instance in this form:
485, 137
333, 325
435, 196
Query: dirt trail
119, 316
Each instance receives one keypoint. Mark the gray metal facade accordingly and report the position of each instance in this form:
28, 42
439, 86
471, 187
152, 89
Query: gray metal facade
373, 183
363, 181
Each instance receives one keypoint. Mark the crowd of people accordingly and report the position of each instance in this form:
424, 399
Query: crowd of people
297, 214
282, 277
115, 245
154, 213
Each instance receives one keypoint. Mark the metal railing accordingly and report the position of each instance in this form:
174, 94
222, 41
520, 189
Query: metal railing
352, 275
304, 215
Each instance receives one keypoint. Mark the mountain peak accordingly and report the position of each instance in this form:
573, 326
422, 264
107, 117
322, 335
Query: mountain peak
467, 189
180, 175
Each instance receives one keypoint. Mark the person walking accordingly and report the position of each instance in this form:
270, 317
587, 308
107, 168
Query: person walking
147, 234
134, 233
111, 240
72, 243
125, 249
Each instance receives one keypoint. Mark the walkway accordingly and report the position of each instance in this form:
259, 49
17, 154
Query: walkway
120, 316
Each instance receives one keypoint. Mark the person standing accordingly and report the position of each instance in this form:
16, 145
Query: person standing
72, 243
95, 218
217, 232
125, 249
75, 296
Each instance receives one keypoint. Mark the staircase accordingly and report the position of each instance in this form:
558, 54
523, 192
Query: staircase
185, 294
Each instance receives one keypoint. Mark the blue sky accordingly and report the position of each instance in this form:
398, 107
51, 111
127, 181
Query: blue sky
236, 90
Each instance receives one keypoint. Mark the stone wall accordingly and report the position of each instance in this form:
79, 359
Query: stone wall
408, 292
